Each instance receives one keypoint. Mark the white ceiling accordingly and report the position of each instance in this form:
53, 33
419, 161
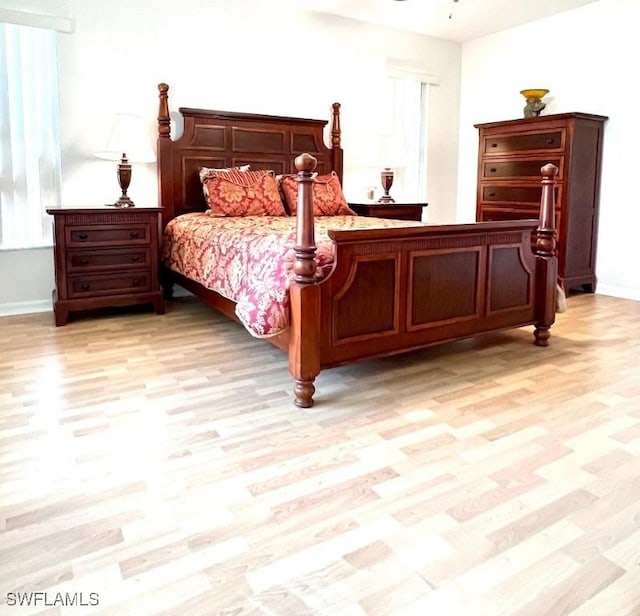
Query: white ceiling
460, 20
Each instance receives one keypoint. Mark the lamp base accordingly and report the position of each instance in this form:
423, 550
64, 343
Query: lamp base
124, 178
124, 201
386, 199
386, 177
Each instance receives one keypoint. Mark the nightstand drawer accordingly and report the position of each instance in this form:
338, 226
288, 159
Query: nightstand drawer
396, 211
107, 235
94, 286
96, 260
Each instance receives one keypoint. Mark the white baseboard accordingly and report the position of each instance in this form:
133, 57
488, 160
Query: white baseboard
622, 292
43, 305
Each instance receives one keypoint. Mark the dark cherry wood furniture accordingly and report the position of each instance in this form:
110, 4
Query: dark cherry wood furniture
105, 257
509, 160
398, 211
390, 290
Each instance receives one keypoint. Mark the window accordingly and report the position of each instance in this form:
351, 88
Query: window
406, 147
29, 135
406, 121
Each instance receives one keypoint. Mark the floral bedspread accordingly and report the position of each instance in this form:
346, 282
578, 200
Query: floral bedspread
250, 259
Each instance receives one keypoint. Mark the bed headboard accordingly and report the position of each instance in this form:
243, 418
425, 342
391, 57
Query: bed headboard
229, 139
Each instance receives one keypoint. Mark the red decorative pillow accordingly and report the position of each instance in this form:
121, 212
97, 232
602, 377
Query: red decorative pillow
328, 199
207, 172
243, 193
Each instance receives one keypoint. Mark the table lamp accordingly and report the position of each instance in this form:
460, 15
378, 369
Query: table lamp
127, 143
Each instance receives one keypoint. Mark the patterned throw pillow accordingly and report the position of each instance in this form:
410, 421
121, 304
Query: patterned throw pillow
206, 172
328, 199
243, 193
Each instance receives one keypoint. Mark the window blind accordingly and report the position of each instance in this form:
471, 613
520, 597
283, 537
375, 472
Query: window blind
30, 166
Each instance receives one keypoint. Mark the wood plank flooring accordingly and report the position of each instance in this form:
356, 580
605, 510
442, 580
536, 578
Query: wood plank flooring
155, 465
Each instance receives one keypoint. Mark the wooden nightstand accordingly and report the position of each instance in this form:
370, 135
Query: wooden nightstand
105, 257
400, 211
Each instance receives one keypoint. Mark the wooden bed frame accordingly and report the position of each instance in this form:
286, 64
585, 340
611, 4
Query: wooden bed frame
391, 290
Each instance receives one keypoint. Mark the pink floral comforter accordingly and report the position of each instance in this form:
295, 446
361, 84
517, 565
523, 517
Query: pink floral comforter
249, 259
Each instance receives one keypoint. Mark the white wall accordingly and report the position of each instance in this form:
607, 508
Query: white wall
27, 279
586, 58
231, 55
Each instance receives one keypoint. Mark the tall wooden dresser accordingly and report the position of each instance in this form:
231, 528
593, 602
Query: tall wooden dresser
511, 154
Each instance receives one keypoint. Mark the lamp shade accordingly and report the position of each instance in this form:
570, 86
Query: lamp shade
392, 154
128, 137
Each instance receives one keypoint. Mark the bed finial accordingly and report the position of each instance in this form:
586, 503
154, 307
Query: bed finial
164, 120
335, 126
305, 162
545, 251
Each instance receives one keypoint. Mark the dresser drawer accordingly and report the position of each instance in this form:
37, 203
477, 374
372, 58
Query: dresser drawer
117, 258
496, 193
95, 286
502, 213
107, 235
521, 169
502, 144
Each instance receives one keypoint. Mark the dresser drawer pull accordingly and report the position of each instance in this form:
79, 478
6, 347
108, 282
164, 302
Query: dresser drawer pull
134, 234
84, 261
550, 141
492, 194
494, 145
493, 170
83, 236
135, 258
85, 286
135, 282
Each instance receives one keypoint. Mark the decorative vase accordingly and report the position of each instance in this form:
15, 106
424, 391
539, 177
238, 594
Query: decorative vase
534, 101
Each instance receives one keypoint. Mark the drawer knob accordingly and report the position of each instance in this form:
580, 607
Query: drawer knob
493, 170
494, 145
84, 261
135, 282
83, 236
135, 258
492, 194
550, 141
134, 234
85, 286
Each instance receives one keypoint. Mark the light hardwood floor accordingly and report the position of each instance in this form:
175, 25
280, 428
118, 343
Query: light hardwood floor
158, 461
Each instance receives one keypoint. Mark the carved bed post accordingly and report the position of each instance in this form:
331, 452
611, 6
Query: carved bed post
546, 261
304, 339
165, 183
164, 147
335, 141
164, 121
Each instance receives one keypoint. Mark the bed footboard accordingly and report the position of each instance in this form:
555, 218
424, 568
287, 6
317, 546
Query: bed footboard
394, 290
